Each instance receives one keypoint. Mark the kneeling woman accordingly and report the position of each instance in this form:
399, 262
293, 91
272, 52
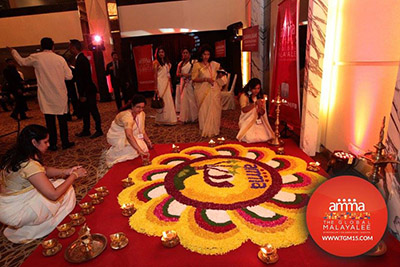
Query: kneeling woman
127, 135
31, 204
253, 121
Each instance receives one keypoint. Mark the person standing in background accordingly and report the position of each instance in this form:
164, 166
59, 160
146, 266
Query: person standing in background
72, 94
51, 71
87, 90
162, 77
73, 100
207, 89
119, 82
4, 98
15, 87
189, 110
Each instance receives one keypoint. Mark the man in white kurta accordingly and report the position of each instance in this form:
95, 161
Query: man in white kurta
51, 71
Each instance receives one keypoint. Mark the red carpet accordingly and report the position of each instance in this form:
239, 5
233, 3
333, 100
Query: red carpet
148, 251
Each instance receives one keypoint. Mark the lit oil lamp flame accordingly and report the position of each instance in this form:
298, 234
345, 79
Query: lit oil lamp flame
126, 206
314, 164
268, 254
169, 238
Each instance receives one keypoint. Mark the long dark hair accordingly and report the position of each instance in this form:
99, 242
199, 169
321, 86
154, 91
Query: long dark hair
251, 85
166, 60
24, 150
203, 49
136, 99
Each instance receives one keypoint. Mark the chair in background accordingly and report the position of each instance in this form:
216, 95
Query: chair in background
228, 97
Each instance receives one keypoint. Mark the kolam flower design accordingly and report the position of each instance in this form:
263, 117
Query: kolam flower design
218, 198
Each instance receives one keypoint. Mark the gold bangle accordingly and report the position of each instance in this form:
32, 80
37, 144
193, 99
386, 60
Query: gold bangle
74, 173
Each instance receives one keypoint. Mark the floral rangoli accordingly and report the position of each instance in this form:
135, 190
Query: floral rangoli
218, 198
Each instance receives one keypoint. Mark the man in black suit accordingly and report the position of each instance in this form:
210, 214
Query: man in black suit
15, 87
119, 82
87, 90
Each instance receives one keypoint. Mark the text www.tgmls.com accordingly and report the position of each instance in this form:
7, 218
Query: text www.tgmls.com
347, 238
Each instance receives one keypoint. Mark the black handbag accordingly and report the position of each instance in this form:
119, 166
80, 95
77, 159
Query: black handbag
157, 102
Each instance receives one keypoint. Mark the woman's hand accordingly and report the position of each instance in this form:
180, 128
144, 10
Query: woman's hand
144, 154
209, 80
149, 144
70, 170
79, 172
260, 104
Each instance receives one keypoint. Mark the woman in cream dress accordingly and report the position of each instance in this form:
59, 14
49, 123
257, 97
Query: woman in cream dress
161, 65
253, 121
31, 204
127, 135
188, 108
207, 90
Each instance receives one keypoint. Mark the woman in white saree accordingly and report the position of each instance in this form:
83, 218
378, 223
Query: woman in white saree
253, 121
162, 67
207, 89
188, 108
127, 135
31, 204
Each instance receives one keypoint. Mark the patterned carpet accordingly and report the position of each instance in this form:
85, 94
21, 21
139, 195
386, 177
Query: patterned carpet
90, 153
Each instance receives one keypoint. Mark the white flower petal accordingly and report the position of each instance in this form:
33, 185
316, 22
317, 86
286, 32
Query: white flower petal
197, 155
285, 196
218, 216
158, 176
222, 180
175, 162
175, 208
158, 191
289, 178
224, 153
251, 155
273, 163
262, 212
218, 171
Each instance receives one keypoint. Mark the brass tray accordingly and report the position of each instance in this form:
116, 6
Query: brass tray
74, 253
